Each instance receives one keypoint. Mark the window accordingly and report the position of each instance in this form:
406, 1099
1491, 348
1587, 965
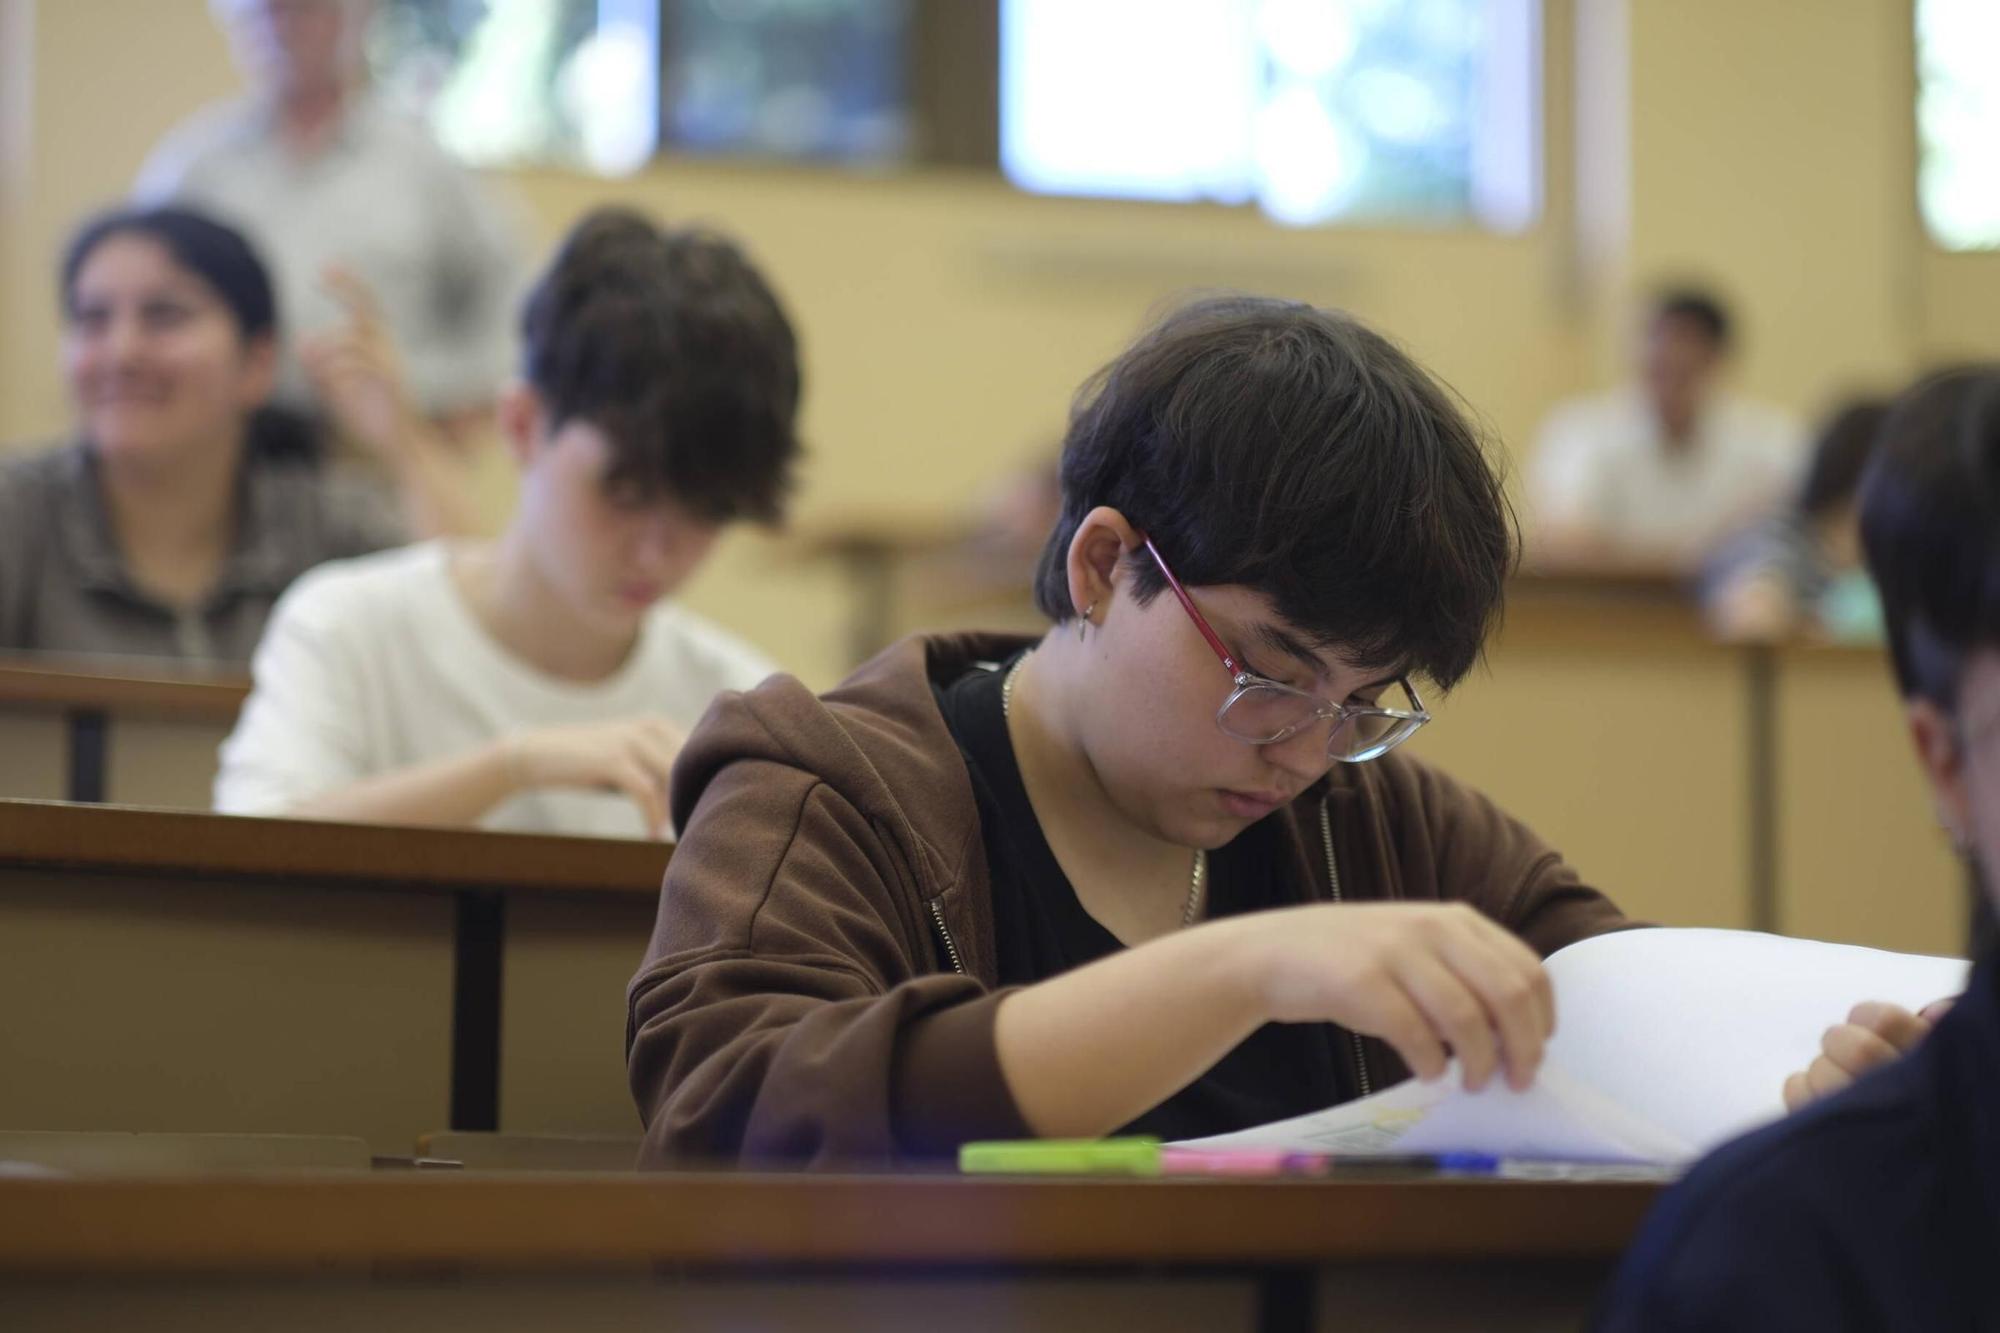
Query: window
601, 83
505, 82
787, 78
1958, 122
1316, 110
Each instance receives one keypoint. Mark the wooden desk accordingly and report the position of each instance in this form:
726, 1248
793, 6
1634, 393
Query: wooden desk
137, 732
171, 971
734, 1251
1617, 731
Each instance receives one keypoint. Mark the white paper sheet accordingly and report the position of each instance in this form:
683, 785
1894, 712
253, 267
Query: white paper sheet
1667, 1042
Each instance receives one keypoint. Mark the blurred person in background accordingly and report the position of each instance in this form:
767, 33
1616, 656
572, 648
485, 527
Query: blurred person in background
1651, 476
349, 202
1799, 570
542, 681
183, 508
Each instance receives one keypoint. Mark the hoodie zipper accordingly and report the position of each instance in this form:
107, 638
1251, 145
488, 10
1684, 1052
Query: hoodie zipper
1333, 878
937, 915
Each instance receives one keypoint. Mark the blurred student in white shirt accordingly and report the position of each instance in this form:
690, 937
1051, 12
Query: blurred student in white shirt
540, 682
1652, 475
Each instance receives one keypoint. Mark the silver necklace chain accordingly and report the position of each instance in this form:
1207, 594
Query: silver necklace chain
1197, 877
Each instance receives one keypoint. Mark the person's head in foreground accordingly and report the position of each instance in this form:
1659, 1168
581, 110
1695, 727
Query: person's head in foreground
1341, 520
1930, 522
1682, 353
169, 340
661, 380
1876, 1207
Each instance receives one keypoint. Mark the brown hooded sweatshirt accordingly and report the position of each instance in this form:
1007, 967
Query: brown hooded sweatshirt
820, 987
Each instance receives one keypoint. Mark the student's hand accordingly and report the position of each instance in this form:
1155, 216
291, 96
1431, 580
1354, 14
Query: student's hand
633, 755
1874, 1034
358, 374
1433, 980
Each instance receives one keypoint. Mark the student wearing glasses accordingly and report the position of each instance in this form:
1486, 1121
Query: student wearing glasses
1162, 870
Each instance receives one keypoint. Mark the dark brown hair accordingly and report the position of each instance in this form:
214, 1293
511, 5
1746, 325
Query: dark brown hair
212, 251
1930, 522
672, 344
1294, 451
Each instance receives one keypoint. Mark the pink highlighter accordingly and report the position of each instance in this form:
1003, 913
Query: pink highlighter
1241, 1162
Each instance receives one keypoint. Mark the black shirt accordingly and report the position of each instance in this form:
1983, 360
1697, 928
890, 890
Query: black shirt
1041, 929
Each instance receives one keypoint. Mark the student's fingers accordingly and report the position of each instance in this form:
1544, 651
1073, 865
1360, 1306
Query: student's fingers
1512, 952
1824, 1077
654, 752
320, 352
1935, 1010
1454, 1012
355, 296
1893, 1023
340, 362
638, 784
1797, 1091
329, 363
1513, 986
1539, 982
1399, 1022
1856, 1049
664, 732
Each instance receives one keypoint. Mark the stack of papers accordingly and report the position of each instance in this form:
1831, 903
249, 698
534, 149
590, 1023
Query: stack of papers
1667, 1043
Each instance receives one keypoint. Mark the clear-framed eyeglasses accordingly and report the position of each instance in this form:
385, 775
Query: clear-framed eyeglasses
1260, 711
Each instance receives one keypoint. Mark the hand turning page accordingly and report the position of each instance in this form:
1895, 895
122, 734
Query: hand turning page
1667, 1042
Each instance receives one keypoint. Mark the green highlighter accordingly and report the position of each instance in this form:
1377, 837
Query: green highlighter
1062, 1157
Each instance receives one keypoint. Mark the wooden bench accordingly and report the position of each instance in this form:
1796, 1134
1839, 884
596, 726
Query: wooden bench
167, 971
105, 729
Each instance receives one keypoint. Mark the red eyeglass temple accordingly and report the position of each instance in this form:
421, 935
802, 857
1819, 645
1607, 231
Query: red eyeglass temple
1214, 641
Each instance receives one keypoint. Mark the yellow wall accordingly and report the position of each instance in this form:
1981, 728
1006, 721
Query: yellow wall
946, 319
1772, 148
1960, 305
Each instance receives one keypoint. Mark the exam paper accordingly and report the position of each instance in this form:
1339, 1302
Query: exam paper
1667, 1042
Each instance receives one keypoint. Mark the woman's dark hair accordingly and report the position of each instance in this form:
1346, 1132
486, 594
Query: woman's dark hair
216, 253
670, 342
1840, 456
1930, 522
1296, 452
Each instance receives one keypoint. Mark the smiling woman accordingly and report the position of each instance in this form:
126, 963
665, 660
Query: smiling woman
167, 528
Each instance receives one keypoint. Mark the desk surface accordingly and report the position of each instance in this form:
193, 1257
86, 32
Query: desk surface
172, 842
141, 687
290, 1223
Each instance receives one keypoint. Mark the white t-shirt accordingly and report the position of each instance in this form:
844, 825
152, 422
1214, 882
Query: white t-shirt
375, 664
1601, 463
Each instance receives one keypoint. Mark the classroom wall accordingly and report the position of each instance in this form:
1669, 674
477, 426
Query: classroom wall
1773, 150
946, 319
